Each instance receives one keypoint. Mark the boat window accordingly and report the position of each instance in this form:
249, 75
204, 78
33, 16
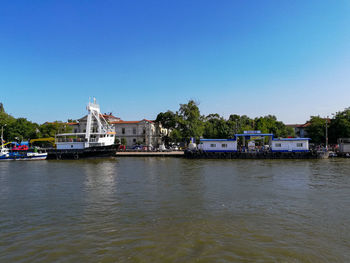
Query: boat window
278, 145
224, 145
299, 144
213, 145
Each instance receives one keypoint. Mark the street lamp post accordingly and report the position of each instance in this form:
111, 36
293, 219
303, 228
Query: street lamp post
2, 135
327, 133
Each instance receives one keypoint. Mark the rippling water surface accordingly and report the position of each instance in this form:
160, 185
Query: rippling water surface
175, 210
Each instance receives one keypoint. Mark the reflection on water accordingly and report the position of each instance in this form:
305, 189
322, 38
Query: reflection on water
175, 210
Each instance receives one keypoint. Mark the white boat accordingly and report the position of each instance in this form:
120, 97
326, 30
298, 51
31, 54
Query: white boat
97, 139
4, 153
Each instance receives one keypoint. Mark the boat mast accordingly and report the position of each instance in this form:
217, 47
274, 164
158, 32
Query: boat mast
94, 114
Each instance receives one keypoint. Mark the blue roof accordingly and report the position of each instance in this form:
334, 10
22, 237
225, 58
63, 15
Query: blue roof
254, 134
216, 140
291, 139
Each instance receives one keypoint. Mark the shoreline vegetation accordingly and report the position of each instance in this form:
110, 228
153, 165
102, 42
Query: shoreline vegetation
188, 122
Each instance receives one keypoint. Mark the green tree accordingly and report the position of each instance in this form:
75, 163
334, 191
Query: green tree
340, 126
50, 129
316, 129
270, 124
167, 119
176, 136
216, 127
189, 121
22, 129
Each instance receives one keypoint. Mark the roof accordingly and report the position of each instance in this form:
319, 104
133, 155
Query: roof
294, 125
216, 140
254, 134
305, 125
130, 122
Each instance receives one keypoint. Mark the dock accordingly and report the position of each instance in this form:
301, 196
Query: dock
255, 155
150, 154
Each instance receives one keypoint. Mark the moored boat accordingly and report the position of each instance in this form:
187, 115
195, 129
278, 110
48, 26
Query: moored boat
21, 153
98, 138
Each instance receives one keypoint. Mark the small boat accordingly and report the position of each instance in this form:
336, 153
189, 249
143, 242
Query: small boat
22, 155
20, 152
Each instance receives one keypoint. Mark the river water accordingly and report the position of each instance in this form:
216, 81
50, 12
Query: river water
175, 210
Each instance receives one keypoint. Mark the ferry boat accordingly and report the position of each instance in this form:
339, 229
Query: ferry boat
98, 138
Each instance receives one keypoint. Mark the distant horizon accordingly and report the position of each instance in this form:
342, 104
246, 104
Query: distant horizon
139, 58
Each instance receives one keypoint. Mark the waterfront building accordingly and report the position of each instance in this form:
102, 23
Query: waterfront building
218, 145
344, 145
250, 138
144, 132
290, 145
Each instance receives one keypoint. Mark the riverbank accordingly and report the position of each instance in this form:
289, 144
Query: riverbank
150, 154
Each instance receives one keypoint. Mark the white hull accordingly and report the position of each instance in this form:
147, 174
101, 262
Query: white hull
30, 157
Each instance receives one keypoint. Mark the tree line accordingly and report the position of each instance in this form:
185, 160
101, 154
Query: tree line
188, 122
338, 127
20, 129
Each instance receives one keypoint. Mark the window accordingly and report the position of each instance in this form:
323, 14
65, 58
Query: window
144, 131
213, 145
123, 130
278, 145
224, 145
299, 144
133, 130
134, 140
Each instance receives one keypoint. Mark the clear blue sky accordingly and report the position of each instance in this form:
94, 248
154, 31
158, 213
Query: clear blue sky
138, 58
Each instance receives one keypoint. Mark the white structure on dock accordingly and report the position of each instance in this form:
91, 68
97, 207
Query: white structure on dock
290, 145
97, 133
218, 145
344, 145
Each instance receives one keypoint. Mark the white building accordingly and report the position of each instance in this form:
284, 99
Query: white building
144, 132
290, 145
344, 145
218, 145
